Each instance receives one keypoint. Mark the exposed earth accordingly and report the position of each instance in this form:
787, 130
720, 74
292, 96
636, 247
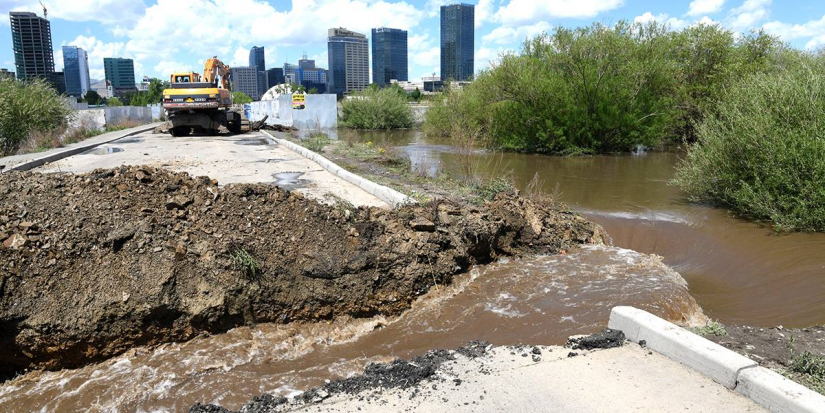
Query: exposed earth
95, 264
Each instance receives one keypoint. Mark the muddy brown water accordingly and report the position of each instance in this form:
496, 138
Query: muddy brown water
539, 300
736, 270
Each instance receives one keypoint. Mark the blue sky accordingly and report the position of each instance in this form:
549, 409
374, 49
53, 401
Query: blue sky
167, 35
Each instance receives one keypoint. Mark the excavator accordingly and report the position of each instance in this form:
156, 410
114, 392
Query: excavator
201, 105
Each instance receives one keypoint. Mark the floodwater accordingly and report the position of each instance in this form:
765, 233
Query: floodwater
738, 271
536, 300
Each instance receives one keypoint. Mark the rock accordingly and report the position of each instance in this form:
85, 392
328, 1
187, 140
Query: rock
607, 338
178, 202
422, 224
15, 242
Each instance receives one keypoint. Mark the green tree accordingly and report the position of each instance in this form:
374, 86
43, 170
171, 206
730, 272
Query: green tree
241, 98
113, 101
416, 95
93, 98
25, 108
312, 91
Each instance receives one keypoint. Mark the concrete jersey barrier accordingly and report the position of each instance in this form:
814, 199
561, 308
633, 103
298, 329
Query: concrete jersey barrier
736, 372
388, 195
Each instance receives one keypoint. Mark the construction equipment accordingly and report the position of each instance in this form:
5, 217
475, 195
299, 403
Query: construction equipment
201, 105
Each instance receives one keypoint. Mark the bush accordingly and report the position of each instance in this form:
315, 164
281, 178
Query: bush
27, 108
316, 142
376, 108
240, 98
114, 101
762, 151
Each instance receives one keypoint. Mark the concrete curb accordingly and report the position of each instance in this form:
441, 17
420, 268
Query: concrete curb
388, 195
82, 146
734, 371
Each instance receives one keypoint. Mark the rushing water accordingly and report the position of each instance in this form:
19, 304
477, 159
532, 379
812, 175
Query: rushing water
536, 300
739, 271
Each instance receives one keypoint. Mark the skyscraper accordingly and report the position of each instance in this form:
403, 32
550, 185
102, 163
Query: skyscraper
76, 71
31, 38
120, 73
311, 77
258, 61
457, 42
275, 76
389, 55
245, 79
349, 61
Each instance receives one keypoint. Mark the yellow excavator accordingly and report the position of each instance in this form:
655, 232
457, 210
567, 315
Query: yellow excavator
201, 105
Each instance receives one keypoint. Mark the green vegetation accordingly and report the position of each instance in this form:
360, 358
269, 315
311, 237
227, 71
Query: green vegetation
113, 101
316, 142
28, 108
149, 97
241, 98
761, 152
808, 369
245, 262
376, 108
602, 88
93, 98
712, 328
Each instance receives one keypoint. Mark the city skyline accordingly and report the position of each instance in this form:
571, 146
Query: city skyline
129, 28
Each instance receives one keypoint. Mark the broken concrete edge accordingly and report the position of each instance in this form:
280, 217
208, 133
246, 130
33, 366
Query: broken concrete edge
734, 371
388, 195
82, 146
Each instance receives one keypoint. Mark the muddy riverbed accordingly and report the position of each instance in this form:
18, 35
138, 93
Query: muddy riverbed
740, 272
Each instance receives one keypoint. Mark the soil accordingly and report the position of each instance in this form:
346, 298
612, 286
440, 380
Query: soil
398, 374
92, 265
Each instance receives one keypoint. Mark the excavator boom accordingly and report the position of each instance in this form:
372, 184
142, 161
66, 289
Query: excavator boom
213, 68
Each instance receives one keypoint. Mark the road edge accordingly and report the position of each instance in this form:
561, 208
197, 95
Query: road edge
82, 146
386, 194
767, 388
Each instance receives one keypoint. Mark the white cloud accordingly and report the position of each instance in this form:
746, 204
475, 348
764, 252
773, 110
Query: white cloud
672, 22
110, 12
429, 57
419, 42
165, 68
749, 14
96, 50
509, 35
529, 11
704, 7
483, 12
813, 29
486, 56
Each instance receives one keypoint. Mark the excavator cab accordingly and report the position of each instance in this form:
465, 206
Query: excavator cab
185, 77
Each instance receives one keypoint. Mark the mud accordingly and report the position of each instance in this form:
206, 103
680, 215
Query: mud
772, 347
607, 338
95, 264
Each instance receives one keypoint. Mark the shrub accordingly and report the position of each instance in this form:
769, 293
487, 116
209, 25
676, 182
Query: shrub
316, 141
762, 151
240, 98
376, 108
28, 108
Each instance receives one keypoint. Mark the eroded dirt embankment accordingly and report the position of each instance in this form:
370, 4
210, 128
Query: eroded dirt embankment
92, 265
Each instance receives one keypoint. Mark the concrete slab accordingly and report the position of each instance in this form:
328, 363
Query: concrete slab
777, 393
705, 356
626, 379
248, 158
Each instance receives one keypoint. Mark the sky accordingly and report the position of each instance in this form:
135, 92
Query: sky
173, 35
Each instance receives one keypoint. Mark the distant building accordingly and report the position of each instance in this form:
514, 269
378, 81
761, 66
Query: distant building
275, 76
432, 83
76, 71
389, 55
311, 77
4, 73
457, 42
290, 73
120, 73
31, 38
257, 59
245, 79
349, 61
103, 88
58, 81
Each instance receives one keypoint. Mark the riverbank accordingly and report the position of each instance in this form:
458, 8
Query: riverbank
98, 263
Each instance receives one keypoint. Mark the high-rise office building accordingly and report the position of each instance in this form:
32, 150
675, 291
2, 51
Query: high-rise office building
120, 73
257, 60
76, 71
457, 42
290, 73
311, 77
245, 79
275, 76
31, 38
389, 55
349, 61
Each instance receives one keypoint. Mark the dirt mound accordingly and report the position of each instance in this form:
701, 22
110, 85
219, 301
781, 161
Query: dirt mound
92, 265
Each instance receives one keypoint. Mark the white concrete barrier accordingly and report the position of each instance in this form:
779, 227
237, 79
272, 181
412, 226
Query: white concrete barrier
388, 195
320, 112
768, 389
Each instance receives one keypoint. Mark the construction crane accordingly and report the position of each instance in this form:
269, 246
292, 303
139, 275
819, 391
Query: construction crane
45, 12
200, 104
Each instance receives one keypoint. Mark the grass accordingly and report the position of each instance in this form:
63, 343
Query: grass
712, 328
807, 369
39, 141
316, 142
245, 262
